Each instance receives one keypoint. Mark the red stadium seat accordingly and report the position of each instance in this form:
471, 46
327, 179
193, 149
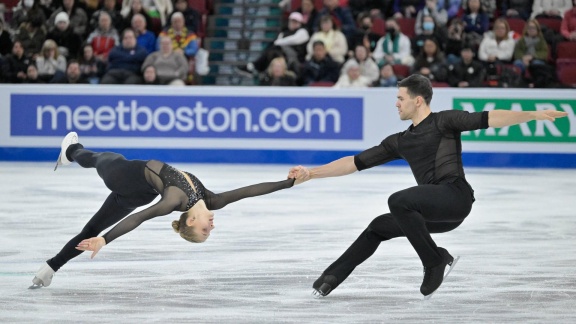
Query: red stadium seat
516, 25
567, 75
400, 70
551, 23
440, 85
295, 4
407, 26
566, 50
321, 84
379, 26
199, 5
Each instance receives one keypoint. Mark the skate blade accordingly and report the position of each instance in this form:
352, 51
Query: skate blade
57, 162
445, 275
35, 286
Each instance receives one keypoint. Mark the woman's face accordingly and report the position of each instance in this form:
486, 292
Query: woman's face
532, 30
360, 53
202, 219
149, 74
277, 69
136, 6
500, 30
88, 52
307, 6
32, 72
326, 25
474, 5
430, 48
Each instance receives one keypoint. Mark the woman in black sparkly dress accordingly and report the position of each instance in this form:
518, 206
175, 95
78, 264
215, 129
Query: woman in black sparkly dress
135, 183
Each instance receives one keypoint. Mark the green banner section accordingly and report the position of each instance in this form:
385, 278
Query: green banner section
563, 130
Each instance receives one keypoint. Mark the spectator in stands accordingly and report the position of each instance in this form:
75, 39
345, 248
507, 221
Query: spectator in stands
407, 8
342, 17
125, 61
50, 61
466, 73
183, 40
112, 9
5, 40
150, 77
454, 41
104, 37
394, 47
16, 64
144, 37
517, 8
68, 42
73, 75
387, 77
309, 15
364, 34
430, 30
24, 11
32, 35
367, 65
489, 7
452, 7
192, 17
91, 67
77, 16
135, 7
568, 27
333, 39
550, 8
159, 9
290, 43
32, 74
321, 67
434, 9
531, 48
171, 67
431, 62
476, 23
278, 74
497, 45
352, 78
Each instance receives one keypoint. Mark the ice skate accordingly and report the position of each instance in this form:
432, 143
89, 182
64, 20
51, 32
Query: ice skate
434, 276
324, 285
69, 139
43, 277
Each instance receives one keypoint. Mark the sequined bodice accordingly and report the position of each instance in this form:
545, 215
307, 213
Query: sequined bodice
173, 177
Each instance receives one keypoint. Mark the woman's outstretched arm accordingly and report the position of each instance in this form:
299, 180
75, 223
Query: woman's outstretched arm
218, 201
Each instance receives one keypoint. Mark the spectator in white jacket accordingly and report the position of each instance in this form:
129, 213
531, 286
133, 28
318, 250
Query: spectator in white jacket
550, 8
352, 78
368, 66
394, 47
498, 44
49, 62
333, 39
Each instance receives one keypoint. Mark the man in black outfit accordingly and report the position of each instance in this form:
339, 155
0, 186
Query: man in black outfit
441, 200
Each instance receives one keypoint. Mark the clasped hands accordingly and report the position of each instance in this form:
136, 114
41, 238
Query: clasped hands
300, 173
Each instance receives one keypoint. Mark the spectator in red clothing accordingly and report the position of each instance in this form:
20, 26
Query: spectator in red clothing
568, 27
103, 38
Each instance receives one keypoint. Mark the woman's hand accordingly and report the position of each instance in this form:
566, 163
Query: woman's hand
93, 244
300, 173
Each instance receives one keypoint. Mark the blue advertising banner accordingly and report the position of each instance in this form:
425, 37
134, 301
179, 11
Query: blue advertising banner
187, 116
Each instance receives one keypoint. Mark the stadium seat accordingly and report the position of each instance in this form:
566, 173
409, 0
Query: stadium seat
295, 4
407, 26
379, 26
567, 75
199, 5
516, 25
436, 84
551, 23
566, 50
401, 70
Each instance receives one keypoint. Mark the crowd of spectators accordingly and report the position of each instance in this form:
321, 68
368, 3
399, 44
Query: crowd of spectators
101, 42
341, 43
457, 43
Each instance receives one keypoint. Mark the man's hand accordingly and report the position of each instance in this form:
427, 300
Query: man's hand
548, 114
300, 173
92, 244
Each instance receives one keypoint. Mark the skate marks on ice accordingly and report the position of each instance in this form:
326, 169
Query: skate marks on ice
261, 260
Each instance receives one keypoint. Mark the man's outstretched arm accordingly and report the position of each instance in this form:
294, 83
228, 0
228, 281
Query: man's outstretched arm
501, 118
335, 168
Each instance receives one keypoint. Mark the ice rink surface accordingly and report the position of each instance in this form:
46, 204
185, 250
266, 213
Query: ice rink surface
517, 248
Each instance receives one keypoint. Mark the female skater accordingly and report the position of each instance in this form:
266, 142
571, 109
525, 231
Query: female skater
136, 183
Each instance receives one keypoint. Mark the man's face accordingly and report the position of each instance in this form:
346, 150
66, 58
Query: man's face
73, 71
406, 105
319, 52
129, 40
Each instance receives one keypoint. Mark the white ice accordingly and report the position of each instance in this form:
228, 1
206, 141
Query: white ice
517, 248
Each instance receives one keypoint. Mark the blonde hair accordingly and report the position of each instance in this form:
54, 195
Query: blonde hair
186, 232
48, 45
